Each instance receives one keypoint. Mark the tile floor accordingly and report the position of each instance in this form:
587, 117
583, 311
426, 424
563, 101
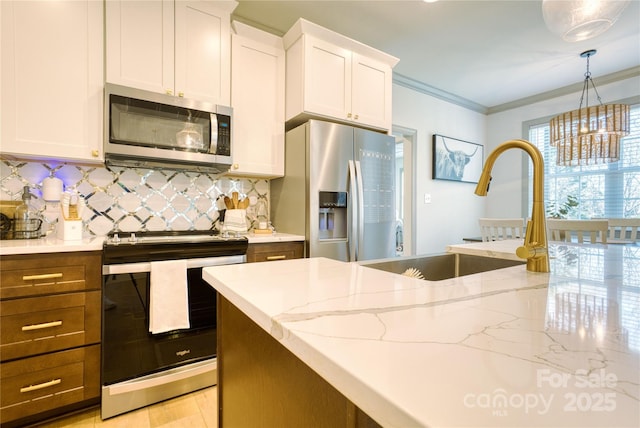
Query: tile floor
195, 410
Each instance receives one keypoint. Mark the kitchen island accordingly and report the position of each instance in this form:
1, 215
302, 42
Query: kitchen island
500, 348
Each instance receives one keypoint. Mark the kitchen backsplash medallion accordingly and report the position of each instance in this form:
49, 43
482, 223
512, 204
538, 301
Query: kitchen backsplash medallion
131, 200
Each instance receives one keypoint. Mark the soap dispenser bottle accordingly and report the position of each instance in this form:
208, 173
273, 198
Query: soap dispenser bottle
25, 224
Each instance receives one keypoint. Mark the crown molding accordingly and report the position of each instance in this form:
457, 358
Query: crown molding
566, 90
422, 87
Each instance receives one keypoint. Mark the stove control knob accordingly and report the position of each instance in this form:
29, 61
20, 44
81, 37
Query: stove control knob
115, 239
133, 238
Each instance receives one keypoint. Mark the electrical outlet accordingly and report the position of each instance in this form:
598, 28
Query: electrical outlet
427, 198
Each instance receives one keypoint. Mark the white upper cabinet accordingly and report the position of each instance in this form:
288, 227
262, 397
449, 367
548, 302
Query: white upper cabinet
179, 47
140, 43
257, 98
371, 83
332, 76
52, 79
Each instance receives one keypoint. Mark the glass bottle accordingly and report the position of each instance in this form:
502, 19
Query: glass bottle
23, 214
262, 215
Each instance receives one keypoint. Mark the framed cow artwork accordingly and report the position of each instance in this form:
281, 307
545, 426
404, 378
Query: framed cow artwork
456, 160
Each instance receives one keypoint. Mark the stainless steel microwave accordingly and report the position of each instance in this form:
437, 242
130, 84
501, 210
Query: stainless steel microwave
145, 129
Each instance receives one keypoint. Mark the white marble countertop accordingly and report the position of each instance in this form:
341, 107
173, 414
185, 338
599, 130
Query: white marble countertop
49, 245
500, 348
54, 245
499, 249
275, 237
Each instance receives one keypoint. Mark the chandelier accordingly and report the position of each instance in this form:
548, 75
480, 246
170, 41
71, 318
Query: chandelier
577, 20
591, 134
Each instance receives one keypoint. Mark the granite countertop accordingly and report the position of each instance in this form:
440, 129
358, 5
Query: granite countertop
501, 348
54, 245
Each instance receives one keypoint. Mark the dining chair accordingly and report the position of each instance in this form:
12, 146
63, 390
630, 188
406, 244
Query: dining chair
595, 231
623, 230
499, 229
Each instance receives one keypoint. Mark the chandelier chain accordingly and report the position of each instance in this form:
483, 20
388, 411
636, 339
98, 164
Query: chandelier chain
585, 86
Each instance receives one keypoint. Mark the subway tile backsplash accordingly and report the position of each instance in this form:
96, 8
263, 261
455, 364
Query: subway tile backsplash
131, 200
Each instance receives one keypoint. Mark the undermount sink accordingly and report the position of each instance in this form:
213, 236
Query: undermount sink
441, 266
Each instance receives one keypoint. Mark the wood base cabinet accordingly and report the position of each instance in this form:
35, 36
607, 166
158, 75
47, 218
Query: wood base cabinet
36, 385
272, 251
261, 383
50, 321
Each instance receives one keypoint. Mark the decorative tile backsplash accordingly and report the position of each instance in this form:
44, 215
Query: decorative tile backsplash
131, 200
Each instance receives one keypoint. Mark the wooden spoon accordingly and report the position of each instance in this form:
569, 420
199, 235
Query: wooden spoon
228, 203
234, 195
243, 204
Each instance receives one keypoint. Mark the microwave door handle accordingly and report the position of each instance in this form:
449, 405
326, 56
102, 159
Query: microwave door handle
213, 146
360, 196
353, 210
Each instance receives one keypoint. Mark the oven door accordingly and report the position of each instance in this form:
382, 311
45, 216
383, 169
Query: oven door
140, 368
129, 349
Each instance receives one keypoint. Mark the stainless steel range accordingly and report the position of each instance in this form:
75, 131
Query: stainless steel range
140, 367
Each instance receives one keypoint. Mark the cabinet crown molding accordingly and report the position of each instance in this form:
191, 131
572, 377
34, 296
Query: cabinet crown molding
302, 26
243, 30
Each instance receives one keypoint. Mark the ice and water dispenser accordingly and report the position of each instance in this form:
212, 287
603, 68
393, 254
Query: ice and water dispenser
332, 213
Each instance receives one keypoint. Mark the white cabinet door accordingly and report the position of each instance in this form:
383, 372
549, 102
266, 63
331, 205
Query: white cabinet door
371, 92
257, 98
327, 80
179, 47
203, 58
140, 44
52, 79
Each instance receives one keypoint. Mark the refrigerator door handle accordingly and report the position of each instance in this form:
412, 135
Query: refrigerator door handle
352, 233
360, 195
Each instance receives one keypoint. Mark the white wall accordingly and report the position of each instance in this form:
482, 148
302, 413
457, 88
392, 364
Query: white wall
508, 195
455, 209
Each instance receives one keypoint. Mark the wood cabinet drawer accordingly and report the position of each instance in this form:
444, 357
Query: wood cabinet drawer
36, 325
37, 384
273, 251
32, 275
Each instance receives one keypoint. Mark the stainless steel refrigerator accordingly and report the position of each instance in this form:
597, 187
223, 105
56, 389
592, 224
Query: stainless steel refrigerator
338, 191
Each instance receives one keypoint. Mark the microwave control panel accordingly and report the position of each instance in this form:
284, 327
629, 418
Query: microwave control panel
223, 146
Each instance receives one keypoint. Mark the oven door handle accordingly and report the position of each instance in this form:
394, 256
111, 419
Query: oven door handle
191, 264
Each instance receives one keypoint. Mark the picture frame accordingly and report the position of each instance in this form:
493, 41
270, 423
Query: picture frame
456, 160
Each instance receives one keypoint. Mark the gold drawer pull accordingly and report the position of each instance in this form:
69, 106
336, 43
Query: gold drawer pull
40, 385
40, 326
44, 276
282, 257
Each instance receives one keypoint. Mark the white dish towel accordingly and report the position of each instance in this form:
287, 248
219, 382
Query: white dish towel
168, 296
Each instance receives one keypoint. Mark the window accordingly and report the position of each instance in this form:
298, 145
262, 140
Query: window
603, 190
